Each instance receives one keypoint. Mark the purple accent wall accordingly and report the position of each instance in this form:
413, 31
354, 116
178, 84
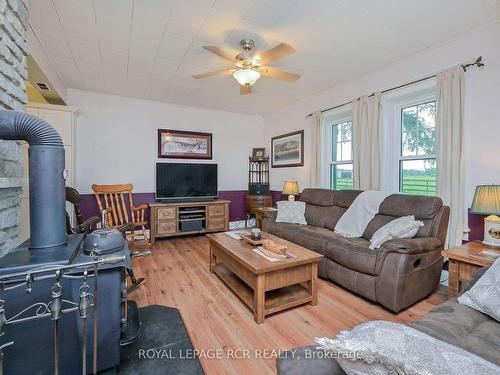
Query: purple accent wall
476, 225
277, 196
237, 206
88, 204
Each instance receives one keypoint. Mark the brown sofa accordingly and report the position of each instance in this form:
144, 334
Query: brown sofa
396, 275
451, 322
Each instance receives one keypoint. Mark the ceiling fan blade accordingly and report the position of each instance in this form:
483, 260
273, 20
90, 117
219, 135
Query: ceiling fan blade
276, 53
279, 74
221, 53
217, 73
244, 90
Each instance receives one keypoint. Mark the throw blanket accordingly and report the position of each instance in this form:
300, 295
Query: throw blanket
364, 208
386, 348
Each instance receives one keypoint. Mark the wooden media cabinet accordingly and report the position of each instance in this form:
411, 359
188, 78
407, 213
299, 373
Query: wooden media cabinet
169, 219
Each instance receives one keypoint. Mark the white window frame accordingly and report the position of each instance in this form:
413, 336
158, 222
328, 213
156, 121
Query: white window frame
392, 104
330, 119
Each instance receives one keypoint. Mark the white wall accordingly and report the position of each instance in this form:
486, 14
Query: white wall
37, 51
482, 103
116, 139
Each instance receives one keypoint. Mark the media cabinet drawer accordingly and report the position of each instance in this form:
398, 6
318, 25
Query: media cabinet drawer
216, 210
166, 227
166, 213
216, 223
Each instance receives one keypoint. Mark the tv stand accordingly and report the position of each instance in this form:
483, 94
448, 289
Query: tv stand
184, 218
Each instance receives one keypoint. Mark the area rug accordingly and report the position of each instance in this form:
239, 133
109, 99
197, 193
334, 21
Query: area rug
163, 347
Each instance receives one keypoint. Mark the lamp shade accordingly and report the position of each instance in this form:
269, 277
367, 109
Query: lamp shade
246, 77
486, 200
290, 187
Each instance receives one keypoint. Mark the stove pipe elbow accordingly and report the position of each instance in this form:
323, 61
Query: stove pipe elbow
46, 176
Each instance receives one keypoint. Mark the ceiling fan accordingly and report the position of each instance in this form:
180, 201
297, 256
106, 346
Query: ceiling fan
249, 67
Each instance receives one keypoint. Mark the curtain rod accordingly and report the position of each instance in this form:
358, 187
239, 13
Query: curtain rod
478, 62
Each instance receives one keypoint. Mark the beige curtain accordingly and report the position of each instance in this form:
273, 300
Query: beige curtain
449, 149
366, 142
315, 171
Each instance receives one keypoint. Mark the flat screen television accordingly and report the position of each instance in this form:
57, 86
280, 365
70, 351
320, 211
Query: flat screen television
186, 181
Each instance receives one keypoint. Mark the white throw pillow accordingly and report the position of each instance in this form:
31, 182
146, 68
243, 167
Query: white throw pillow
291, 212
402, 227
484, 296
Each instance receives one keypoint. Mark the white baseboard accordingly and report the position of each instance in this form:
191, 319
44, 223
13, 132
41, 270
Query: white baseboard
240, 224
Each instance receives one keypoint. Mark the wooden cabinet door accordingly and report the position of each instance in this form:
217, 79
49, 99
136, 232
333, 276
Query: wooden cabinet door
166, 213
216, 223
166, 227
216, 210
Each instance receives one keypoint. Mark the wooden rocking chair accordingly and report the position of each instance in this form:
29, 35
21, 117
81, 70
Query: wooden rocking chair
122, 211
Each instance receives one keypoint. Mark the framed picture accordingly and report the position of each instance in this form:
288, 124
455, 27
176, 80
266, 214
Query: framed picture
178, 144
258, 153
287, 150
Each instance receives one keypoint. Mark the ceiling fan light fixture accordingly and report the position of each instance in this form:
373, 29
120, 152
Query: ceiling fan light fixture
247, 76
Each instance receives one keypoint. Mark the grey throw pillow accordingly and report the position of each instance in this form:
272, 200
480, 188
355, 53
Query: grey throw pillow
291, 212
402, 227
484, 296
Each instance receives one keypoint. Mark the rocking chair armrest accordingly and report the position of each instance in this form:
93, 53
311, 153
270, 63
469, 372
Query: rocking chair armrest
86, 225
89, 222
141, 207
125, 227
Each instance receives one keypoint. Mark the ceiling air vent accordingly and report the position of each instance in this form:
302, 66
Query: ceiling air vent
43, 86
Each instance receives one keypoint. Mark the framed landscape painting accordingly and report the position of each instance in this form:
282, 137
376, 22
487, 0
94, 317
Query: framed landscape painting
178, 144
287, 150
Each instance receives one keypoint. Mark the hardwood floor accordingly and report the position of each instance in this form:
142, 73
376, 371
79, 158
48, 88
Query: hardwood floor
177, 275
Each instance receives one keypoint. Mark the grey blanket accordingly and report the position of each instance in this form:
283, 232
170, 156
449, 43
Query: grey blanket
381, 348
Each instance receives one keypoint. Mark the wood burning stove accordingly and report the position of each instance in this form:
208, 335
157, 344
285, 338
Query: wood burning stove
50, 290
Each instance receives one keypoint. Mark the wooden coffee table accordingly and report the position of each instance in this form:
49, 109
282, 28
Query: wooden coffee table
265, 287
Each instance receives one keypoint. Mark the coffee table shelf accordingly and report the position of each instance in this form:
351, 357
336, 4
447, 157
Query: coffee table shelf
265, 287
276, 300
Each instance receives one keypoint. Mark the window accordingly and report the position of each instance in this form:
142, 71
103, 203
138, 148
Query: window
341, 155
417, 160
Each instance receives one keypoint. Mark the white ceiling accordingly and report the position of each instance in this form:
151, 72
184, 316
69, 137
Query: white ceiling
150, 48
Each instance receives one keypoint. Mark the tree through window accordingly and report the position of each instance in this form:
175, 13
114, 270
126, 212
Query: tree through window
417, 162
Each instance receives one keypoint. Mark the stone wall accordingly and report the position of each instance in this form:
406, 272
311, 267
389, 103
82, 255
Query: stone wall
13, 72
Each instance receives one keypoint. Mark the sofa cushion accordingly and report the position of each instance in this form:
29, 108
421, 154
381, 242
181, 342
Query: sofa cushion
450, 322
397, 205
484, 340
464, 327
284, 230
353, 253
344, 198
318, 197
314, 238
419, 206
326, 217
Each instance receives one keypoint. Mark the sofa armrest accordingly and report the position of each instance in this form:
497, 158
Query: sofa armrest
412, 245
269, 213
307, 360
477, 275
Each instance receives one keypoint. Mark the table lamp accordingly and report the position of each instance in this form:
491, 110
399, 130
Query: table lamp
487, 202
291, 188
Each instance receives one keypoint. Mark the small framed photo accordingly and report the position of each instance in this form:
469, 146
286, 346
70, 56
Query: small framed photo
258, 153
178, 144
287, 150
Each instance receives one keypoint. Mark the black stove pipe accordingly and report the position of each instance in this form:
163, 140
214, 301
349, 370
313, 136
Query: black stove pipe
46, 176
